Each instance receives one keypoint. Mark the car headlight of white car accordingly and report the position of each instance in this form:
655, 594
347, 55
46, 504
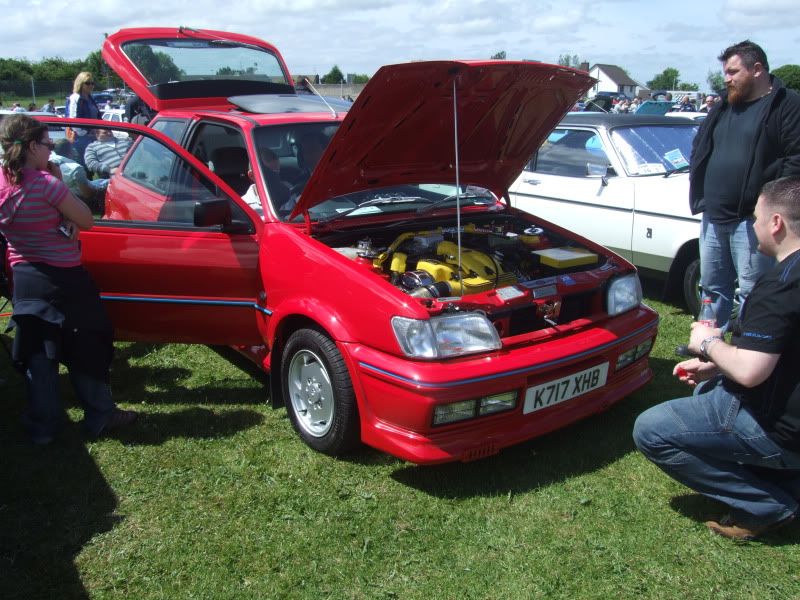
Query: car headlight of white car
624, 293
446, 335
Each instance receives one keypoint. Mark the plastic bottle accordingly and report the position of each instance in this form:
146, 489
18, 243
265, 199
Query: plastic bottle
707, 316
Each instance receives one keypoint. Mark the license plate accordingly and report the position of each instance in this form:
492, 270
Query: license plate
559, 390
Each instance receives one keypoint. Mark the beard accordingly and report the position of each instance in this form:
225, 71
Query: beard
739, 94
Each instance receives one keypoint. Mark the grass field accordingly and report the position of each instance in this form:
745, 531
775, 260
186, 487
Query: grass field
212, 495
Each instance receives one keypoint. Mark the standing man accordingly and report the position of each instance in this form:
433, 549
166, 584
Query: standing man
749, 138
737, 436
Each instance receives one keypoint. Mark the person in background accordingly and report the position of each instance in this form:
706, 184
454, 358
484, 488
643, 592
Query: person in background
686, 105
50, 106
737, 439
17, 107
90, 191
752, 137
105, 154
58, 314
81, 105
707, 105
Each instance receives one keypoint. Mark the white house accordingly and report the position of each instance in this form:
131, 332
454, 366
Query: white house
611, 78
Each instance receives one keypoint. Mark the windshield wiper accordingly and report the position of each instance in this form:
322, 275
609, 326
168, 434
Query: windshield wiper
430, 207
682, 169
373, 202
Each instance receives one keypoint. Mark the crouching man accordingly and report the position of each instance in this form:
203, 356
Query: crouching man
737, 439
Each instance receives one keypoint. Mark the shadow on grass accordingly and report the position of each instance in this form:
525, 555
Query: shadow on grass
53, 500
160, 385
699, 508
199, 423
580, 448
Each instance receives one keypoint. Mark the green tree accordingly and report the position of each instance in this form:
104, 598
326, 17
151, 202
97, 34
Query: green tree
567, 60
334, 75
688, 87
666, 80
56, 68
364, 78
790, 75
499, 55
716, 81
12, 69
95, 64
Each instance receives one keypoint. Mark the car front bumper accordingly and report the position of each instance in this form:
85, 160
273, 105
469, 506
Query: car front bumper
397, 396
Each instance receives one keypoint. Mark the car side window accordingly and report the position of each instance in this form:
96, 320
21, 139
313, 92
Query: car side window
570, 153
153, 186
172, 128
150, 165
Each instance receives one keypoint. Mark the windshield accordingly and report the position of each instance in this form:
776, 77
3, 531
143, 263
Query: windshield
654, 149
287, 155
171, 60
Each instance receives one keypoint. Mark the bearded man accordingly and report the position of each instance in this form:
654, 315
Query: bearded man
749, 138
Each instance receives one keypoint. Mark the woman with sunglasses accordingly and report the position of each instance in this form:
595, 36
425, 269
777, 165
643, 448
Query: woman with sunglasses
81, 105
58, 314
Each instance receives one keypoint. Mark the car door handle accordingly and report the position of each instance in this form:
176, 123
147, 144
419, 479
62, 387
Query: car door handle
532, 181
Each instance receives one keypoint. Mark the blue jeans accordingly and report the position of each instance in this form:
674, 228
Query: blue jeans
712, 444
728, 251
44, 415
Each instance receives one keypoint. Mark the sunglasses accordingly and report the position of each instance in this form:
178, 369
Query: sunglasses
49, 143
88, 82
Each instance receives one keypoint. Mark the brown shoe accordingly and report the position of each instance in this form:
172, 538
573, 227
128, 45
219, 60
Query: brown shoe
726, 527
119, 418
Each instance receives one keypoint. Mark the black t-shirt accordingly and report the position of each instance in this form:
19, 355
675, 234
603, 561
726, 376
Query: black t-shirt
734, 137
770, 322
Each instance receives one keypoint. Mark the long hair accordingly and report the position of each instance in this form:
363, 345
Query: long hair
16, 134
82, 77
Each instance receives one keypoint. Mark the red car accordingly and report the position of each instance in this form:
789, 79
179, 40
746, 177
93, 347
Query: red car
365, 255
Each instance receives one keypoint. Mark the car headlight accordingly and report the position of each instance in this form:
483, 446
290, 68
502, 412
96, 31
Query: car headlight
624, 293
446, 335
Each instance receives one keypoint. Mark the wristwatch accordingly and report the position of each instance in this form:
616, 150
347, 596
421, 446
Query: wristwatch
706, 344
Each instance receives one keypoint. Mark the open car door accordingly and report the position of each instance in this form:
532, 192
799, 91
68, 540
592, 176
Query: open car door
174, 250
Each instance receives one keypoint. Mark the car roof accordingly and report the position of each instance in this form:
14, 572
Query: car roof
610, 120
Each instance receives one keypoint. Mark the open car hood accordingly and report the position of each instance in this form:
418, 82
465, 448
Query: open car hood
400, 130
191, 68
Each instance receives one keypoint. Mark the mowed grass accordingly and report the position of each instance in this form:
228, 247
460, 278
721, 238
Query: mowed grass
212, 495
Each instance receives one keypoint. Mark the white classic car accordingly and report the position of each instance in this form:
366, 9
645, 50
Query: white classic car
622, 181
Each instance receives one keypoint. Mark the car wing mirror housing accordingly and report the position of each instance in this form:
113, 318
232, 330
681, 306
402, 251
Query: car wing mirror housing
599, 170
208, 213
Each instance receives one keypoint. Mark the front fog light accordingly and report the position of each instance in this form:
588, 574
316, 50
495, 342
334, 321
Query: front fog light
626, 358
497, 403
644, 348
457, 411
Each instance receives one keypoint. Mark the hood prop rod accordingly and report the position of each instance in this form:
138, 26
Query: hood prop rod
320, 96
458, 188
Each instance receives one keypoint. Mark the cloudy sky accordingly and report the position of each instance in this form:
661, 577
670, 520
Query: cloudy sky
643, 37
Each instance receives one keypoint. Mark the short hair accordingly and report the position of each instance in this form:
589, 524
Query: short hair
82, 78
783, 196
748, 51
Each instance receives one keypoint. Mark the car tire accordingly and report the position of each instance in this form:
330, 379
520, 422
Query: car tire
318, 393
691, 286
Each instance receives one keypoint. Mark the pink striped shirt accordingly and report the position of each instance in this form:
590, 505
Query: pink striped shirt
29, 220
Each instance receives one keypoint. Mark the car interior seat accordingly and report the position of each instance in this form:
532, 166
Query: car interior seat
230, 163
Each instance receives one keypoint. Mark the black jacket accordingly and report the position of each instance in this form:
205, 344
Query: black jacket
775, 151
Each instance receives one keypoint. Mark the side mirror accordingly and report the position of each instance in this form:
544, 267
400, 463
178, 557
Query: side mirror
598, 170
212, 212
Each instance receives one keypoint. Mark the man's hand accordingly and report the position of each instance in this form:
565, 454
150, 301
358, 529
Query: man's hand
699, 333
693, 371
